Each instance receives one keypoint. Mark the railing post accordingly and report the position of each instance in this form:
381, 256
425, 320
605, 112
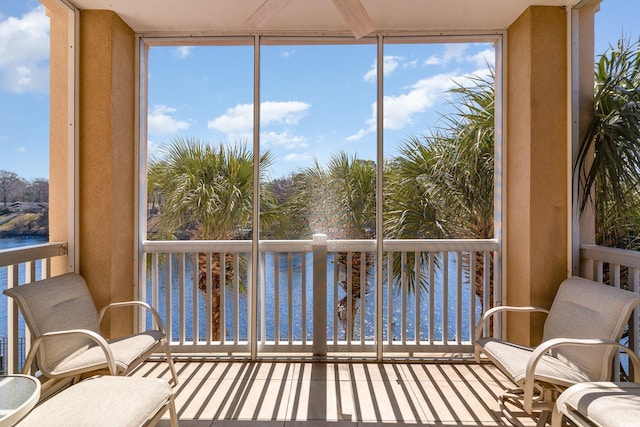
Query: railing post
319, 247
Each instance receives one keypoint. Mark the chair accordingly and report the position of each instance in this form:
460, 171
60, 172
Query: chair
581, 335
65, 328
105, 402
603, 404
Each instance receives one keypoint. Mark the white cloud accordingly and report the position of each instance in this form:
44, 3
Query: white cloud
287, 53
481, 59
390, 63
238, 120
458, 53
21, 149
153, 149
361, 134
283, 140
297, 157
182, 51
399, 110
161, 122
453, 52
24, 52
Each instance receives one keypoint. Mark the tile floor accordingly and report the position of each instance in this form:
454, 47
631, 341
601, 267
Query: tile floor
309, 394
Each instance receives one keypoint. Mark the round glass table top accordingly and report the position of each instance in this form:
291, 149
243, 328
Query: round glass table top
18, 394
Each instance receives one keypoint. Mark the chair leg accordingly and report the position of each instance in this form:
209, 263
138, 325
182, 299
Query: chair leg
173, 416
514, 397
170, 362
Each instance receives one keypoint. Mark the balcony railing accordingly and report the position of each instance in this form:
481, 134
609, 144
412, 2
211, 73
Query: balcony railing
17, 267
305, 283
619, 268
322, 296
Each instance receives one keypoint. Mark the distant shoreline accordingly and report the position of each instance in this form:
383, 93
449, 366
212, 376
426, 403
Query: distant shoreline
22, 234
24, 224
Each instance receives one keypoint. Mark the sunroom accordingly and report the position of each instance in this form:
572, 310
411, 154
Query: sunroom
283, 303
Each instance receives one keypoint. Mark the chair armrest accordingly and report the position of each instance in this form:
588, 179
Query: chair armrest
546, 346
492, 311
97, 338
154, 313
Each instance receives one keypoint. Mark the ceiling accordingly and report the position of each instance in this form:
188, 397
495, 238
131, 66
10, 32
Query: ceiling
202, 16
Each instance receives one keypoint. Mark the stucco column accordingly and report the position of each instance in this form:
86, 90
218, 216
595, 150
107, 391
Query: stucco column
106, 161
59, 142
536, 172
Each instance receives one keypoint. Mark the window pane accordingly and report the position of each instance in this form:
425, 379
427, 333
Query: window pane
199, 146
438, 140
318, 125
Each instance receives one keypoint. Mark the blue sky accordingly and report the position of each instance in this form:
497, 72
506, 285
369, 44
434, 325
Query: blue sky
315, 100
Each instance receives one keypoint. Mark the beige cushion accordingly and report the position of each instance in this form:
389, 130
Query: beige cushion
512, 360
602, 403
125, 351
103, 401
581, 309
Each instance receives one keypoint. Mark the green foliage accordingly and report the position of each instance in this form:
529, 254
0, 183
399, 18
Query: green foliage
203, 191
441, 185
339, 200
608, 160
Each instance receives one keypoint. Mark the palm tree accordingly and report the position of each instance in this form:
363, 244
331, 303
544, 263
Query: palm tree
340, 201
441, 185
608, 160
205, 192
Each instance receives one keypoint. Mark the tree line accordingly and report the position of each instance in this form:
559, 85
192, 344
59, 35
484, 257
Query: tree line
13, 188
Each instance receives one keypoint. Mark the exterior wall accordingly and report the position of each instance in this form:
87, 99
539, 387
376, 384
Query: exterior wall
107, 162
536, 155
58, 131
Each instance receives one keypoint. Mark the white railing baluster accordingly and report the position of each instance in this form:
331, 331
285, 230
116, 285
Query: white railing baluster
614, 269
432, 299
290, 286
459, 297
348, 327
181, 299
155, 265
263, 298
195, 279
208, 293
417, 267
472, 295
404, 284
303, 305
445, 297
276, 296
390, 322
634, 333
364, 256
12, 324
236, 299
336, 321
222, 262
168, 285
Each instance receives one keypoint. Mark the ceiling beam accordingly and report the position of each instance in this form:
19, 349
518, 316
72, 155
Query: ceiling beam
356, 17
